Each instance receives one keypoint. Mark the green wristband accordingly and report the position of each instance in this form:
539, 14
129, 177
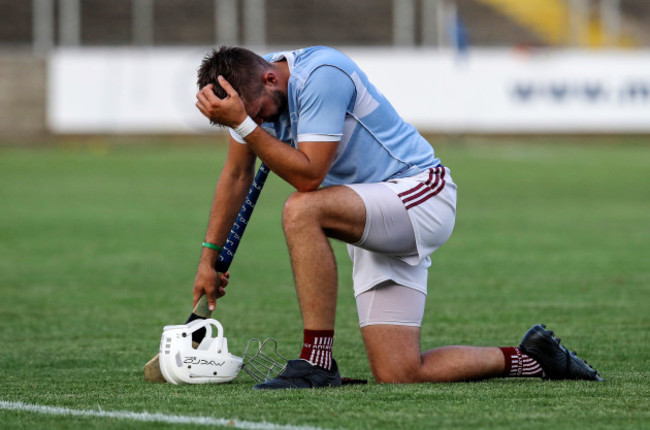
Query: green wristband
212, 246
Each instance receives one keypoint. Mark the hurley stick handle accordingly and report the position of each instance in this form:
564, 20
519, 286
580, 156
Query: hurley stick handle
227, 254
241, 222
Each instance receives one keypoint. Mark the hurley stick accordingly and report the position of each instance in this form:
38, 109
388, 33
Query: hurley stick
152, 368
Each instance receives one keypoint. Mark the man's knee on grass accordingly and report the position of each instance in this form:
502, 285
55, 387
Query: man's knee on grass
402, 373
393, 353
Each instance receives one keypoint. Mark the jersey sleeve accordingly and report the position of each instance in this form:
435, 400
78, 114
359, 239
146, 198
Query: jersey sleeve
323, 104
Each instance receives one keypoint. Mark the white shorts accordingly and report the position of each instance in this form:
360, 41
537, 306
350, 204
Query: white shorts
407, 219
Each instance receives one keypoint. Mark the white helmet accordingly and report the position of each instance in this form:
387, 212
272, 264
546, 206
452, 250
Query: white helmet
210, 362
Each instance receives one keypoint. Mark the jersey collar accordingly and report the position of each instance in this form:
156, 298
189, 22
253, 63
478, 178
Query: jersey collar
287, 55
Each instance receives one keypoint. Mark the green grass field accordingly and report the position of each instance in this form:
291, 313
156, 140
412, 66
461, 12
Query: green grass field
99, 241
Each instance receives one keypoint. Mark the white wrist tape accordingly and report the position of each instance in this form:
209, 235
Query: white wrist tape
246, 127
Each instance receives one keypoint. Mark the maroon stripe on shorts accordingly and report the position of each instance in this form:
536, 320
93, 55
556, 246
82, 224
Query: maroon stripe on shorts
404, 194
424, 191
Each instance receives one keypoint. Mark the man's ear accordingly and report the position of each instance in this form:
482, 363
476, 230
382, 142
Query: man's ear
270, 78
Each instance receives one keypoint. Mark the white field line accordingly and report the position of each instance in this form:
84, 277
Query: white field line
149, 417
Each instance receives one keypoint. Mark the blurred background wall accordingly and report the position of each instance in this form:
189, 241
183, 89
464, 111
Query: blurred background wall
40, 38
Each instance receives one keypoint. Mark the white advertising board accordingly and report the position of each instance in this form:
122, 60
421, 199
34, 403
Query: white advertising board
124, 91
484, 91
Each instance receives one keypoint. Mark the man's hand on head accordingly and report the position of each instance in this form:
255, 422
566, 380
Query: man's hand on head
229, 111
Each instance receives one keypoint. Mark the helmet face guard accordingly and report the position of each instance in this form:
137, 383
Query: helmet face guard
210, 362
262, 360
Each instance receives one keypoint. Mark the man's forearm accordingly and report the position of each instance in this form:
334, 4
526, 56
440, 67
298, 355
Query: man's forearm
304, 167
285, 161
228, 197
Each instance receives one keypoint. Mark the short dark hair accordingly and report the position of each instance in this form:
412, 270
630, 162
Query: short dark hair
242, 68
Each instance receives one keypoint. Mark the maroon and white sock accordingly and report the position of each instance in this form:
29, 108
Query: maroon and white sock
317, 347
520, 365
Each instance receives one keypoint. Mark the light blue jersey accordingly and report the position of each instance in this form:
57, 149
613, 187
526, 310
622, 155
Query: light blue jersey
331, 99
